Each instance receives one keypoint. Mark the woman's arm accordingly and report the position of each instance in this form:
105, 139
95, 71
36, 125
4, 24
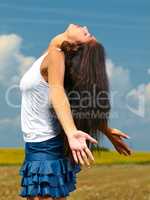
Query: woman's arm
76, 138
57, 95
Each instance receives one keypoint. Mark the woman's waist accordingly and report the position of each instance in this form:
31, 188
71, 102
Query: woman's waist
49, 148
36, 135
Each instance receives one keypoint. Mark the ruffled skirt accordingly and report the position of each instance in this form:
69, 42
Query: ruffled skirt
46, 171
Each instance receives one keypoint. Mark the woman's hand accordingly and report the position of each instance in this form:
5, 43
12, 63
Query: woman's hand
115, 136
80, 151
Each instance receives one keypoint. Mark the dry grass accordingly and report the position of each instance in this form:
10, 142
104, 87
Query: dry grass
100, 182
113, 177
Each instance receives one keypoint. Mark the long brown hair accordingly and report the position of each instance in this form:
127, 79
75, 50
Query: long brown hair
87, 86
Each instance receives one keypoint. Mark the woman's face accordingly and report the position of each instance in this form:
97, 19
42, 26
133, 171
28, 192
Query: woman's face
79, 33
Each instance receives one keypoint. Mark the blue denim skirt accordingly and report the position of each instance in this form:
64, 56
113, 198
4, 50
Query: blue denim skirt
46, 171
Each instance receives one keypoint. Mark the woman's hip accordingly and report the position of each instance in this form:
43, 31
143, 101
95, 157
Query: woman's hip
50, 149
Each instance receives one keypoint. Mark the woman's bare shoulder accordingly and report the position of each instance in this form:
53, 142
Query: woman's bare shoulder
55, 51
55, 54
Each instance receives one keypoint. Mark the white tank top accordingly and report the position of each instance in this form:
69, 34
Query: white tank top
37, 121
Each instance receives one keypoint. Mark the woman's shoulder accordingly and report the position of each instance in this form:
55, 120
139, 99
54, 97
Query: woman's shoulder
54, 55
53, 47
55, 51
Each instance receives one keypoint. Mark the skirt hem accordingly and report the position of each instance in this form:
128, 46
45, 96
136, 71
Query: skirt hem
54, 178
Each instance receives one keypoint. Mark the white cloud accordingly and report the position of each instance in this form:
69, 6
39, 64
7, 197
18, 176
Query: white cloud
119, 77
120, 85
128, 103
12, 62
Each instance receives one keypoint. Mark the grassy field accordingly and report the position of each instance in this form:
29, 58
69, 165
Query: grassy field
112, 177
14, 156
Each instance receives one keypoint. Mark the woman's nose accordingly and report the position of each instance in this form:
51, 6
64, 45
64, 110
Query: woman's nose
85, 27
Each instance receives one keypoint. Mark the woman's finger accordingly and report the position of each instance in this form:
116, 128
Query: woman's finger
88, 152
129, 152
118, 149
75, 156
124, 152
124, 148
84, 156
80, 158
91, 139
119, 133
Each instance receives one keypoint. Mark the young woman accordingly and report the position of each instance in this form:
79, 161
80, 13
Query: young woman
55, 137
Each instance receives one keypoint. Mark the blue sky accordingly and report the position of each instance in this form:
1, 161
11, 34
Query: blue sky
122, 26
